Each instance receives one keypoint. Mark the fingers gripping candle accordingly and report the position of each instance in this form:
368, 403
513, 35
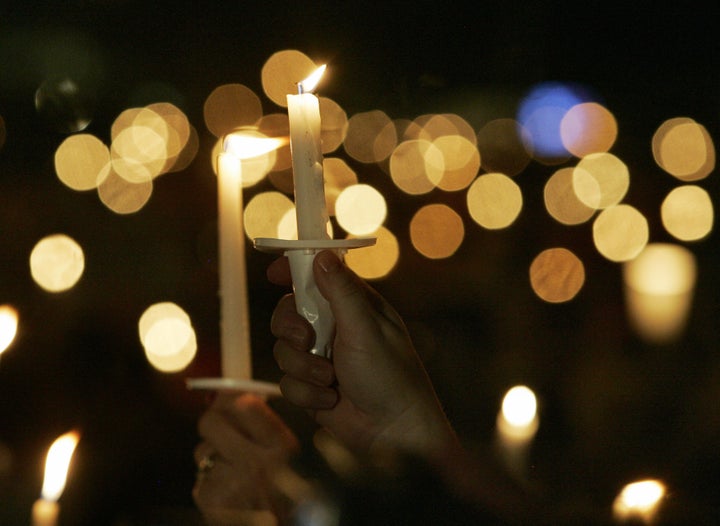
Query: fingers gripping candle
311, 208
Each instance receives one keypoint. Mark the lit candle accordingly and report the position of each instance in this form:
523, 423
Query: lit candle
639, 501
310, 208
659, 286
235, 350
517, 423
307, 160
8, 326
311, 213
45, 510
236, 359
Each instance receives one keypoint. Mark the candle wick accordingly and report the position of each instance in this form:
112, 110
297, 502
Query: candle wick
301, 90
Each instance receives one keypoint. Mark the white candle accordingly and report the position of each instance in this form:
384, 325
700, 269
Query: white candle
45, 510
234, 320
306, 150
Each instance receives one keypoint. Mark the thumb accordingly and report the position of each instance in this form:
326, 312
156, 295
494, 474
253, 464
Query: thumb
344, 290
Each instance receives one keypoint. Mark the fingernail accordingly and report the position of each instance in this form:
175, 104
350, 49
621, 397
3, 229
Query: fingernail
328, 261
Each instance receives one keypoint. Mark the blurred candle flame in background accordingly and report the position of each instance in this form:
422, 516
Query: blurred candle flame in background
8, 326
639, 501
659, 289
57, 465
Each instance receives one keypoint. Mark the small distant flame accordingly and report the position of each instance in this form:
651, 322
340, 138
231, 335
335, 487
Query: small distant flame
245, 146
57, 464
312, 81
519, 406
639, 500
8, 326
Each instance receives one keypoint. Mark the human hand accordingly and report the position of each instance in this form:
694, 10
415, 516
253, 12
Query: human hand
375, 393
244, 445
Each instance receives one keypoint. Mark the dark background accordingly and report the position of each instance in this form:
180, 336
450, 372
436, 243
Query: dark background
612, 408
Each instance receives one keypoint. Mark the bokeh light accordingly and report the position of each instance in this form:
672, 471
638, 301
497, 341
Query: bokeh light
659, 288
168, 337
687, 213
230, 106
145, 142
432, 126
187, 154
282, 72
608, 183
62, 103
494, 201
588, 128
620, 232
561, 201
501, 147
264, 214
416, 166
684, 149
122, 196
371, 136
138, 153
378, 260
57, 262
338, 176
540, 113
662, 268
333, 124
461, 162
82, 161
436, 231
277, 125
360, 209
8, 326
150, 141
639, 501
287, 226
556, 275
179, 135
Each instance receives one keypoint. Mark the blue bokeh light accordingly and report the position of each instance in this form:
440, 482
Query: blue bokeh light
540, 112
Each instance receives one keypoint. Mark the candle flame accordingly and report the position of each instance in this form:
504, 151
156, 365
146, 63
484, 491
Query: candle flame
312, 81
57, 464
8, 326
639, 500
245, 146
519, 406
